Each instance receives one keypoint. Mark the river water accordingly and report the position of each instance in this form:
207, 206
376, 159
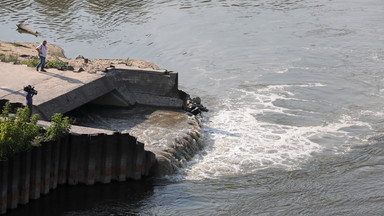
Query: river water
295, 91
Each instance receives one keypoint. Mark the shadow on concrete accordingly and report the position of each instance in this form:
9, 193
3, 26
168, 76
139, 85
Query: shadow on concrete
70, 80
12, 91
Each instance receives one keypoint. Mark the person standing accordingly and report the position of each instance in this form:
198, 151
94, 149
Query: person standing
42, 49
29, 100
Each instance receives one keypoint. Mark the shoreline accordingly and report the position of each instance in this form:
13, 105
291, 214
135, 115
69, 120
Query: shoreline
26, 51
107, 156
121, 85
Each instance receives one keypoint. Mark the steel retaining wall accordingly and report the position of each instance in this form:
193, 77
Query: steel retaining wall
75, 159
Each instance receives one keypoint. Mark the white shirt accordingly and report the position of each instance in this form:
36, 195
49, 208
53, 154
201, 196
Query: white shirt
43, 50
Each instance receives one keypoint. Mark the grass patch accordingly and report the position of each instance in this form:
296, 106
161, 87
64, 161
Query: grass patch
13, 58
32, 62
9, 58
57, 63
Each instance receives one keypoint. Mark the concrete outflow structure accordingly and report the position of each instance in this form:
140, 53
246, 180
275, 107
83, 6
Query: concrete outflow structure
63, 91
121, 86
154, 88
92, 155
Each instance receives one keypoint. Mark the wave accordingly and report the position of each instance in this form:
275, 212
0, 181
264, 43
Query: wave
253, 132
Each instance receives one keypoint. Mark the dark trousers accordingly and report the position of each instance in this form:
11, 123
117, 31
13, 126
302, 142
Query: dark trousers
30, 110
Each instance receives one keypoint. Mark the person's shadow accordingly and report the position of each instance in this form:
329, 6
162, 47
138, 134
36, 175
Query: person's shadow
70, 80
12, 91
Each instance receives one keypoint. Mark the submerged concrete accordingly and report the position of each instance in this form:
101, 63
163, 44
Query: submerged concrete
173, 135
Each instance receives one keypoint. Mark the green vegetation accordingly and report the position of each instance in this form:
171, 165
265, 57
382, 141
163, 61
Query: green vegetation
18, 133
59, 127
32, 62
57, 63
9, 58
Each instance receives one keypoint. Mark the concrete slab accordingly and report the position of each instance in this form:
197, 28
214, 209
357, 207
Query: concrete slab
63, 91
49, 85
75, 129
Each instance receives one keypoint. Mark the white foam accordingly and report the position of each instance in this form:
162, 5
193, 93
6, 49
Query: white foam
281, 71
238, 143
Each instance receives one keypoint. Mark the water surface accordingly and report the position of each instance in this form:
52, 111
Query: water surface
295, 90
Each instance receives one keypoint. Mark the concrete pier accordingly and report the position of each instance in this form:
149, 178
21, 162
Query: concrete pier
89, 155
124, 86
63, 91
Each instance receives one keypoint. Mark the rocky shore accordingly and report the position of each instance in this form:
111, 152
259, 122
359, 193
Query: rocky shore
26, 51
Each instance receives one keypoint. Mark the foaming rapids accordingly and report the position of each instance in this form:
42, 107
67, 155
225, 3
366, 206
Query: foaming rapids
173, 135
251, 132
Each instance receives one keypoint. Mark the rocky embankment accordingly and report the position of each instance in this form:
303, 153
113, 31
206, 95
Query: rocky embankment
26, 51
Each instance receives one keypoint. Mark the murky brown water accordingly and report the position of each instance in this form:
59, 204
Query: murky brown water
295, 90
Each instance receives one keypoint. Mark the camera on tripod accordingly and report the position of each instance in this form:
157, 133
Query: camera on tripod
31, 90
